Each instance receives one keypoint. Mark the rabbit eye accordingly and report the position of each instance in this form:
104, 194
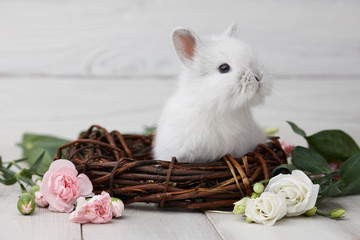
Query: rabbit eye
224, 68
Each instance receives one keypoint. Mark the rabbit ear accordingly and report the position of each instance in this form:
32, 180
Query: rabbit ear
230, 31
185, 43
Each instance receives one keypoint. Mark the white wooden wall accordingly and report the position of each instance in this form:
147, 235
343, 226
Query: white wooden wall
128, 38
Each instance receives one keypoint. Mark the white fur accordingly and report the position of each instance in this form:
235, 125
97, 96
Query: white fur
210, 113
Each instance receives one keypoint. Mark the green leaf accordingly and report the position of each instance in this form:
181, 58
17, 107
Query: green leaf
33, 145
288, 167
349, 172
23, 189
308, 160
9, 181
35, 167
7, 173
149, 130
324, 179
296, 129
20, 160
47, 159
50, 143
15, 163
331, 189
333, 144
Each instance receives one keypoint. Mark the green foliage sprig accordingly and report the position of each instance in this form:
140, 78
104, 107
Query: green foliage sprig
24, 176
38, 152
326, 147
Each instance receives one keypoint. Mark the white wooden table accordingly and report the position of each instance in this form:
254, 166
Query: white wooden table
66, 65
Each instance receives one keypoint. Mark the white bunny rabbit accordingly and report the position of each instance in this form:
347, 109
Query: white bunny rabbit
210, 113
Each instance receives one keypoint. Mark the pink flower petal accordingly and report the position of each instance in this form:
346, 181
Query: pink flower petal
44, 188
60, 163
56, 204
86, 186
117, 208
105, 197
51, 208
68, 208
40, 200
60, 206
69, 171
79, 215
96, 210
27, 207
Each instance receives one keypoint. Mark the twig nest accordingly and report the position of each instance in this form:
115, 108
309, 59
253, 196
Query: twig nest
123, 166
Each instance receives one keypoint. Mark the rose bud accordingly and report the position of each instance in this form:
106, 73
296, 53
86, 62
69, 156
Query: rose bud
287, 147
40, 200
34, 189
310, 212
26, 204
258, 187
240, 206
255, 195
117, 207
336, 213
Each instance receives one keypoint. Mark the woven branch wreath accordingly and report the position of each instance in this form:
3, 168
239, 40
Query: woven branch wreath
123, 166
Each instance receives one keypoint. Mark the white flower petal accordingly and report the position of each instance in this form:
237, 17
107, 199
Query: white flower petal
266, 209
300, 192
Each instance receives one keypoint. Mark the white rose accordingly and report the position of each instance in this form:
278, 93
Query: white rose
300, 192
266, 209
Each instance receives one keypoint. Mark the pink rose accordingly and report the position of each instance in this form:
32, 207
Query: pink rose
40, 200
96, 210
61, 186
117, 207
287, 147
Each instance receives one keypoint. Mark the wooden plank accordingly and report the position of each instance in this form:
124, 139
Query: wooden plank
42, 224
351, 222
132, 38
234, 226
141, 221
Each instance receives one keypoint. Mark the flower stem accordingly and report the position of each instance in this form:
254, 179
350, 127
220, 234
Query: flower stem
322, 214
264, 181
